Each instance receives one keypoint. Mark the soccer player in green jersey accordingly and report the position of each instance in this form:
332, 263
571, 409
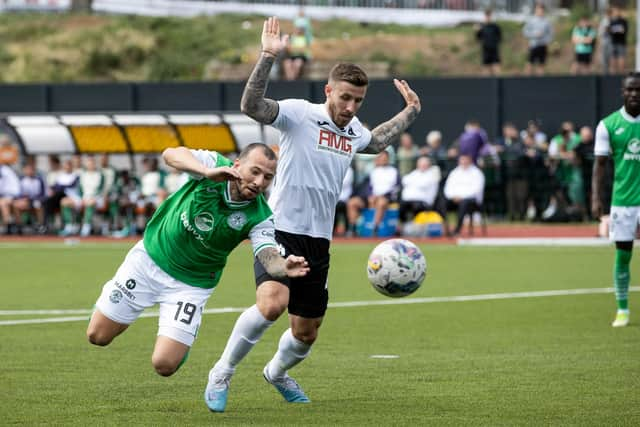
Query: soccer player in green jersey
618, 136
185, 248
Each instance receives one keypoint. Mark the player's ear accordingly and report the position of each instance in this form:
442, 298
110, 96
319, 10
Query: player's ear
236, 163
327, 89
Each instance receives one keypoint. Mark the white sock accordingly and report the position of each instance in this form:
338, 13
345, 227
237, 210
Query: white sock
291, 351
245, 334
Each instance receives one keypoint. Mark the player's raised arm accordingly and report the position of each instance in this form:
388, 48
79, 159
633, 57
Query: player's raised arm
182, 159
276, 266
385, 133
253, 102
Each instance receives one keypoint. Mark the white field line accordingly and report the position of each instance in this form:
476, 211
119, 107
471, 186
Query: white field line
403, 301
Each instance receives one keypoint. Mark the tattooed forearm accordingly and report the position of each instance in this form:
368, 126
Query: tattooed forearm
385, 133
253, 102
272, 262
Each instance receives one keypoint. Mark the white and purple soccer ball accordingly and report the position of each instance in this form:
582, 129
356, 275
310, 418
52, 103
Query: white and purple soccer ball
396, 268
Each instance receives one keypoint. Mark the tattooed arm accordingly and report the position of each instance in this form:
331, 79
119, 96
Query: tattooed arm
253, 102
278, 267
387, 132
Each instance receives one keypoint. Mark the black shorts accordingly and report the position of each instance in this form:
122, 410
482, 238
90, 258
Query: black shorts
490, 56
538, 55
308, 296
583, 58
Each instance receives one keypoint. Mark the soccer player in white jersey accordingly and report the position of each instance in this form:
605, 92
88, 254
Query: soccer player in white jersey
317, 144
618, 136
180, 259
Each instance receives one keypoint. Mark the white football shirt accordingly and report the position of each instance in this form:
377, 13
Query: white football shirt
313, 159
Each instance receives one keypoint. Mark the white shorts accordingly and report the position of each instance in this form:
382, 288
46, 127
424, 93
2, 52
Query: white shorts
139, 283
623, 223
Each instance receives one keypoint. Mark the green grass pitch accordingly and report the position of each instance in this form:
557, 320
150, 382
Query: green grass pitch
514, 361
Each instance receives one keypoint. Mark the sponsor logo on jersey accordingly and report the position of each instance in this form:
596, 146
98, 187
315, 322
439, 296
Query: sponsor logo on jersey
633, 150
323, 123
237, 220
130, 284
212, 190
115, 296
329, 141
204, 221
619, 131
125, 289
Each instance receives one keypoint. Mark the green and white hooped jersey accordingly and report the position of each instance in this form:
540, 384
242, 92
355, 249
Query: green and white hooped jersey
618, 135
193, 232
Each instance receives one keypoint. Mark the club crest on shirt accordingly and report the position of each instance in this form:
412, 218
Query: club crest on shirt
237, 220
633, 150
204, 221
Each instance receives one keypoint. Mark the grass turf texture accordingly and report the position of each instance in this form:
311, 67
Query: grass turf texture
550, 360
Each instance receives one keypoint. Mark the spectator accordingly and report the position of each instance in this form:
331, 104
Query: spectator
464, 189
584, 159
303, 21
8, 151
490, 36
537, 176
55, 168
583, 38
67, 184
474, 141
605, 41
127, 193
340, 221
514, 170
407, 154
9, 190
420, 189
618, 29
539, 137
108, 205
539, 33
297, 56
91, 186
384, 187
152, 191
31, 199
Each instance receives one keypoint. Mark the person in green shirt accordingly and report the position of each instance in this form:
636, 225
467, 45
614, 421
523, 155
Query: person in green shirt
180, 259
618, 136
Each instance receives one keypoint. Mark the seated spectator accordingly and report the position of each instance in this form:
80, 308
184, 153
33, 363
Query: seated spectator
9, 190
419, 189
298, 55
464, 189
152, 191
108, 206
8, 151
85, 199
340, 220
384, 186
67, 184
442, 156
127, 193
407, 154
33, 192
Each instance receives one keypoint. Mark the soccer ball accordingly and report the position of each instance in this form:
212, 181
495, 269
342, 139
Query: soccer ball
396, 268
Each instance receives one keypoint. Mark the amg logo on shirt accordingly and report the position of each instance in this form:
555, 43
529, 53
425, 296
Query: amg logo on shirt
338, 144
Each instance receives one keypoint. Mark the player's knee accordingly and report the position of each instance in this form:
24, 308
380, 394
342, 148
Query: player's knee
307, 336
98, 337
272, 309
164, 366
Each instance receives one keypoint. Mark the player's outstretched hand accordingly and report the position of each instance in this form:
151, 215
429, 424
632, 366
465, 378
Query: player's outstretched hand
271, 41
296, 266
410, 97
223, 173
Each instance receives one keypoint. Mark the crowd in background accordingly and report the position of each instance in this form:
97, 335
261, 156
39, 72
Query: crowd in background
522, 175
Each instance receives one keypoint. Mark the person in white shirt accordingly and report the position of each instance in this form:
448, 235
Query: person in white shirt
317, 145
384, 186
9, 190
464, 188
419, 189
340, 222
